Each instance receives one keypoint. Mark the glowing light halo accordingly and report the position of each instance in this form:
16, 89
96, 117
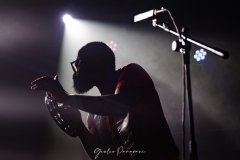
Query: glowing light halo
67, 19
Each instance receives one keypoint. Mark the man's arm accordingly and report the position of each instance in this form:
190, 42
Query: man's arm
117, 104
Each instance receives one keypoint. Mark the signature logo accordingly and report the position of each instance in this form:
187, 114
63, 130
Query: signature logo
119, 150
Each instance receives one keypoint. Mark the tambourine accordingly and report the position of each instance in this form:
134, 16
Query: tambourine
54, 110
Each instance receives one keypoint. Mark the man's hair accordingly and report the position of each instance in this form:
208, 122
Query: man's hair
98, 51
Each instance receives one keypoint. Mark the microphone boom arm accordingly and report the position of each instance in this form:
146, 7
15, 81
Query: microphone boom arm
216, 51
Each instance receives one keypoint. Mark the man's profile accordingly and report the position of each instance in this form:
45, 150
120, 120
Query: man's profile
126, 122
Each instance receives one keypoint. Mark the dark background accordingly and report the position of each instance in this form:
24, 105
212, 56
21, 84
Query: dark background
31, 34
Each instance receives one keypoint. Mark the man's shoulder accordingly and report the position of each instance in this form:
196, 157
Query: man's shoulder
133, 74
132, 67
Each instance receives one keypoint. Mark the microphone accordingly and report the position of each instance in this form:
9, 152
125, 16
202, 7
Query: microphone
152, 14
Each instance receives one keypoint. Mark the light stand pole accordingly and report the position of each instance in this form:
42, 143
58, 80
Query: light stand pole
185, 51
184, 48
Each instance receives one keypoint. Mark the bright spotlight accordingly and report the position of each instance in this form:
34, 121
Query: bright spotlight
67, 19
200, 55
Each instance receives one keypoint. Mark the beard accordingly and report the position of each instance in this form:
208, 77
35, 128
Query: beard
81, 84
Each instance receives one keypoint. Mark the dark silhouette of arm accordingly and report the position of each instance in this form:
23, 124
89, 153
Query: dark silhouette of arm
117, 104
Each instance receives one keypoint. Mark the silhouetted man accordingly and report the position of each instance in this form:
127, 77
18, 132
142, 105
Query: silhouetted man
126, 121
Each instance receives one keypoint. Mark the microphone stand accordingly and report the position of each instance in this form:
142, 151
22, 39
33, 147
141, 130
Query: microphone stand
183, 46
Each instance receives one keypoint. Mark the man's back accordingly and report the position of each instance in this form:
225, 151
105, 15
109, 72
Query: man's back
143, 132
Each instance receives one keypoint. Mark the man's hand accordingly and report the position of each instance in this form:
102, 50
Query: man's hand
51, 85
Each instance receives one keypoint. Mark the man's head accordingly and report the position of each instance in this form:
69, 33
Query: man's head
94, 61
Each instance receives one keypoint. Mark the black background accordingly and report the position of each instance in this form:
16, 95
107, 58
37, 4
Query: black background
31, 34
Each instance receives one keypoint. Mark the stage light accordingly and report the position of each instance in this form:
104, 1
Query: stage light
112, 45
67, 19
200, 55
